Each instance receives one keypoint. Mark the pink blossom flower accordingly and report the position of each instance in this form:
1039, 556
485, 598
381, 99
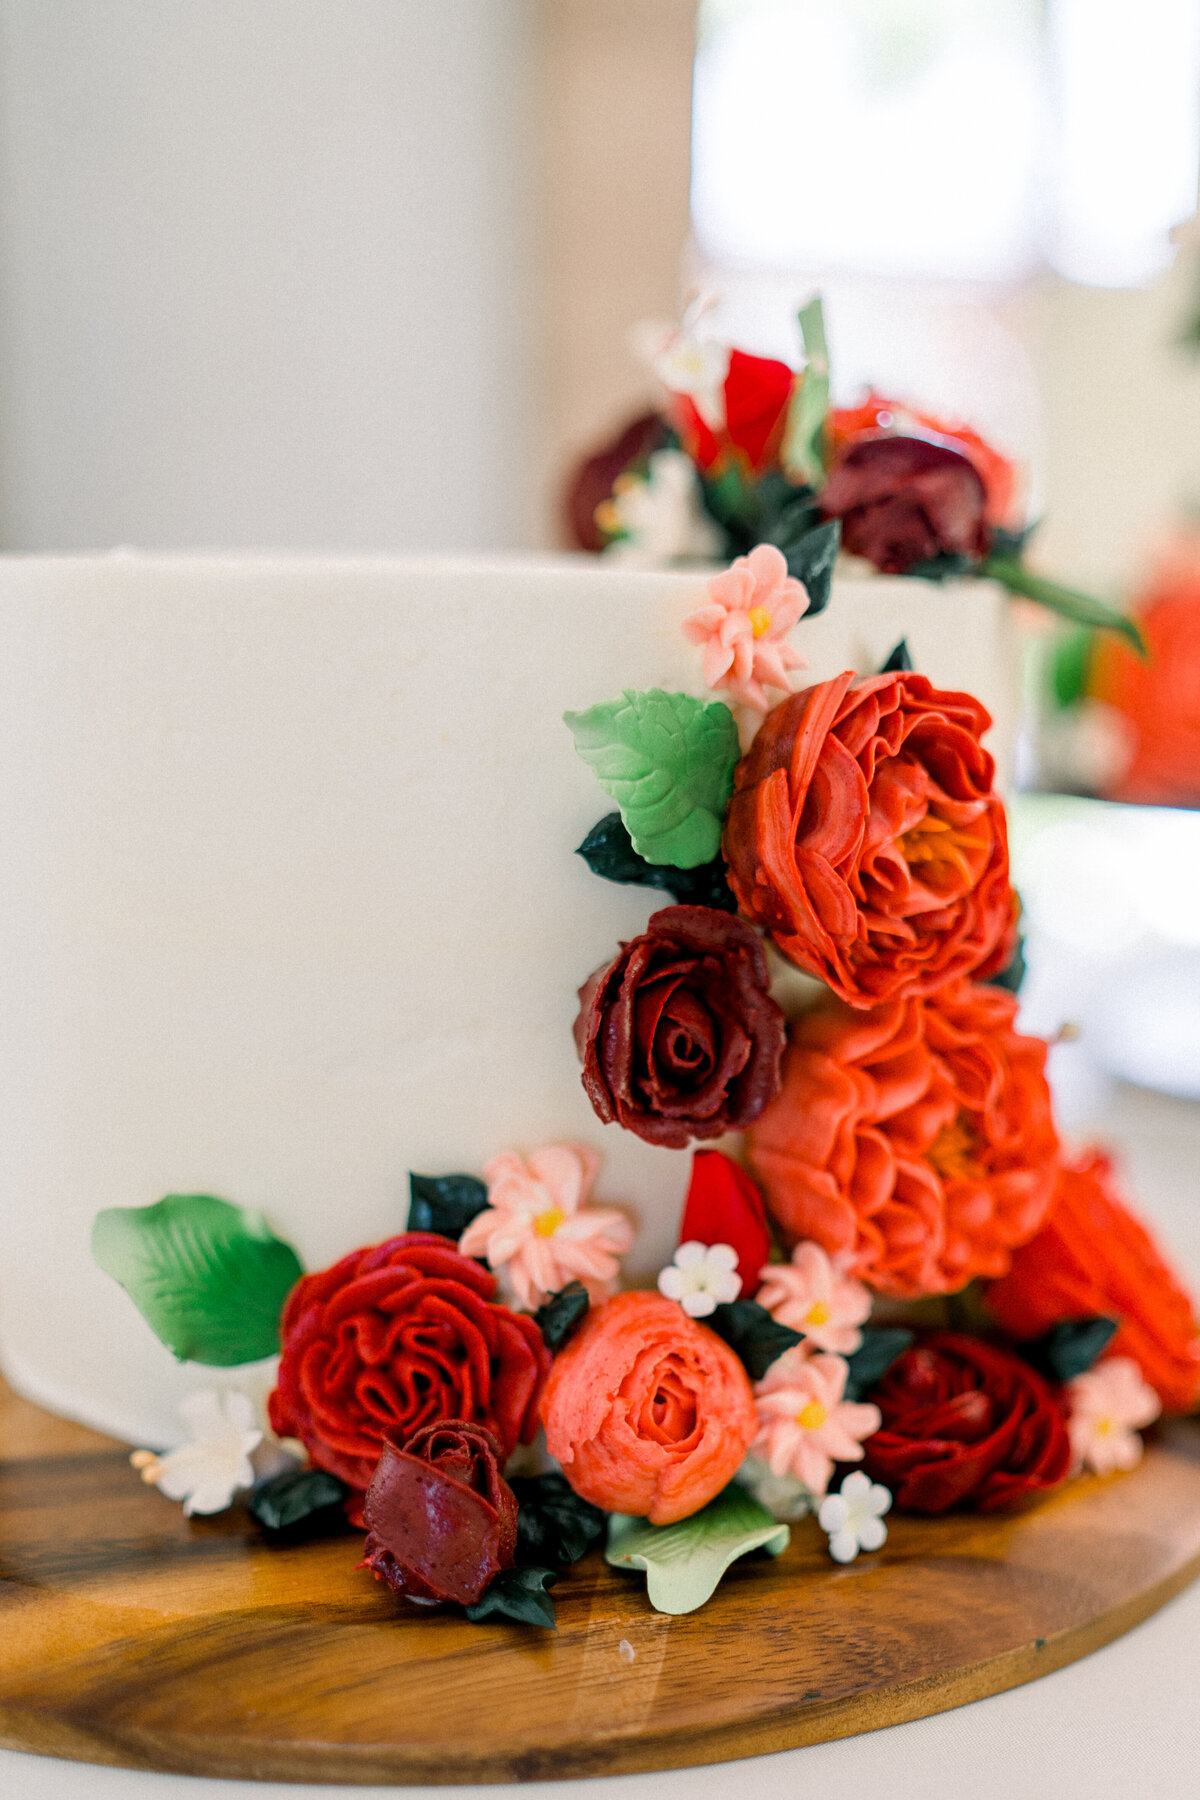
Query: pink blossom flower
537, 1228
1108, 1403
743, 628
804, 1425
812, 1295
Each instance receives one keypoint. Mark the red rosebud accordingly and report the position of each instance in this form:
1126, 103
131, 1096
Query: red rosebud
723, 1206
441, 1519
757, 392
678, 1035
903, 500
394, 1337
965, 1424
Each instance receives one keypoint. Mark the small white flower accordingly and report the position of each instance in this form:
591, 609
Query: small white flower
785, 1498
702, 1277
854, 1518
659, 516
687, 363
207, 1472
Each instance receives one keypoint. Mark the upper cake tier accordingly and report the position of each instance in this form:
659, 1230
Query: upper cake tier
290, 904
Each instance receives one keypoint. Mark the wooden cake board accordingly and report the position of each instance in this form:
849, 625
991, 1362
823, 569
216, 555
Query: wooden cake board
133, 1636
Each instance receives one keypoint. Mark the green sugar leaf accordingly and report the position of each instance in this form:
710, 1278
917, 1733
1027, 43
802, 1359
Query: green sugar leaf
805, 432
900, 660
880, 1347
684, 1562
299, 1504
555, 1526
752, 1334
209, 1278
1081, 609
1069, 1348
668, 761
559, 1314
1070, 664
520, 1595
608, 852
444, 1203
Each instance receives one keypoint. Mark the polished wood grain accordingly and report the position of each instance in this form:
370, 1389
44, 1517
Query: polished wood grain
130, 1635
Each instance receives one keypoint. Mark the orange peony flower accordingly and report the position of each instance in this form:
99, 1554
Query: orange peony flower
1094, 1257
647, 1411
877, 416
914, 1142
865, 837
1159, 697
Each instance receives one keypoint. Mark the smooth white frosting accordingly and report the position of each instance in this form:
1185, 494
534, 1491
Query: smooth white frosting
288, 904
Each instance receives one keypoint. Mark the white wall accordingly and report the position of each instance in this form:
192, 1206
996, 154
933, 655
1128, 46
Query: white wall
264, 268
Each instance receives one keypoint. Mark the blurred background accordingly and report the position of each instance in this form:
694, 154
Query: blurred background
297, 274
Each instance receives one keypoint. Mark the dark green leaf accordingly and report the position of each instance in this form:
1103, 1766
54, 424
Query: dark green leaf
559, 1314
732, 503
444, 1203
554, 1525
900, 661
608, 851
1070, 665
752, 1334
1069, 1348
1082, 609
880, 1347
811, 559
209, 1278
300, 1503
1013, 973
518, 1594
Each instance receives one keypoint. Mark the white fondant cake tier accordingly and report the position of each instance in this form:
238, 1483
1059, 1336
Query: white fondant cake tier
290, 905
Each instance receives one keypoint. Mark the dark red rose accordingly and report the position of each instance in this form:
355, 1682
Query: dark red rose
441, 1519
398, 1336
591, 481
965, 1423
678, 1035
903, 500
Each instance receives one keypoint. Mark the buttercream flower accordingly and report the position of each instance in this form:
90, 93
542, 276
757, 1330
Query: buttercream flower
208, 1471
966, 1423
804, 1425
904, 501
812, 1295
403, 1334
656, 518
1092, 1258
743, 626
678, 1035
1157, 697
648, 1411
701, 1277
864, 835
725, 420
878, 416
1107, 1405
589, 490
694, 368
853, 1517
538, 1229
914, 1143
441, 1519
723, 1206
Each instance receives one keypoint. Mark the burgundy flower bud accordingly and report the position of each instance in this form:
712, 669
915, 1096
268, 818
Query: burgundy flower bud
903, 500
591, 481
678, 1034
441, 1519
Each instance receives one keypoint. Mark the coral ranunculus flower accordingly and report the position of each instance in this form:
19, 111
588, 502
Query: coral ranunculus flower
865, 837
1159, 696
1093, 1257
914, 1142
647, 1411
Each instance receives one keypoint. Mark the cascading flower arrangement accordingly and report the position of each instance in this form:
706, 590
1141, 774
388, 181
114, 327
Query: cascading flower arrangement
748, 451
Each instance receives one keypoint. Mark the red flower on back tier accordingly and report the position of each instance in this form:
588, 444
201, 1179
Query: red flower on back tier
865, 837
1093, 1258
398, 1336
755, 393
877, 416
914, 1142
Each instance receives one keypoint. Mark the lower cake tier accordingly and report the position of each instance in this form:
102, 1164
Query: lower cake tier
290, 904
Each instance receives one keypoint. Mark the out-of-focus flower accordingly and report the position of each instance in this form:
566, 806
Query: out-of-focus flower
538, 1228
656, 519
743, 626
853, 1517
1108, 1405
1158, 696
208, 1471
812, 1295
701, 1277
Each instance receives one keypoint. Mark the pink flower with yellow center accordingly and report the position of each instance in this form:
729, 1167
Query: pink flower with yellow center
810, 1294
538, 1229
744, 625
804, 1425
1108, 1404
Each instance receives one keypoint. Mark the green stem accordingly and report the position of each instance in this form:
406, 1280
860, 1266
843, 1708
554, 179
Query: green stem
1083, 609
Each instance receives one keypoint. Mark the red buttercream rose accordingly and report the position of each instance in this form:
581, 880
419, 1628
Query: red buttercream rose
756, 393
1092, 1258
723, 1206
864, 835
678, 1035
965, 1424
878, 416
398, 1336
913, 1142
441, 1519
904, 501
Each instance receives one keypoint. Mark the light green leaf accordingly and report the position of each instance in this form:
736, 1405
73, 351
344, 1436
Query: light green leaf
1082, 609
803, 451
210, 1279
684, 1562
668, 761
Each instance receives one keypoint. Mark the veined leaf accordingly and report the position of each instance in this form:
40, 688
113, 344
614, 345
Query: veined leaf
209, 1278
804, 434
684, 1562
608, 852
668, 761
